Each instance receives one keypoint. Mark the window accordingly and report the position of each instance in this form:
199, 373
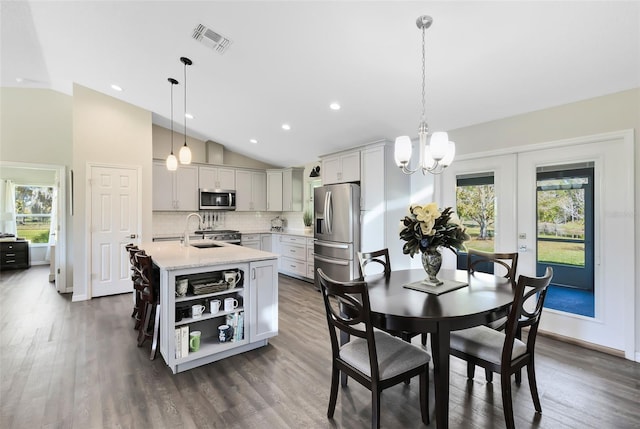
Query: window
33, 212
476, 207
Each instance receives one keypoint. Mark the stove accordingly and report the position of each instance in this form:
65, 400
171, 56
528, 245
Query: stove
226, 235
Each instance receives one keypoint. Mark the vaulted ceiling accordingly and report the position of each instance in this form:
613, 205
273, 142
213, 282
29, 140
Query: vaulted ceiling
288, 60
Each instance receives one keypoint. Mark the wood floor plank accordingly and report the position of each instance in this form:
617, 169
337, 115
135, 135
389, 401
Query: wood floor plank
77, 366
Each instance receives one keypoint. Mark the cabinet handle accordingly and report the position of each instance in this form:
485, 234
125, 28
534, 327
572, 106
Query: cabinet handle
253, 273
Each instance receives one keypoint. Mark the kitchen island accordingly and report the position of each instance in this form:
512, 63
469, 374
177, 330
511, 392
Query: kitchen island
203, 268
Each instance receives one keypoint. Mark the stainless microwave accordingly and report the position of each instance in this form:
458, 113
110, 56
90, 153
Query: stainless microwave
217, 199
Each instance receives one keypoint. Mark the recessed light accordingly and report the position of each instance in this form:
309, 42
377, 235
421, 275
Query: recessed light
334, 106
254, 141
188, 115
286, 127
116, 88
19, 79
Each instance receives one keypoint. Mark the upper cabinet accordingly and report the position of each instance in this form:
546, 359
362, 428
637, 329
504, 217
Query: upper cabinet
274, 190
284, 190
341, 168
217, 178
175, 190
292, 189
251, 190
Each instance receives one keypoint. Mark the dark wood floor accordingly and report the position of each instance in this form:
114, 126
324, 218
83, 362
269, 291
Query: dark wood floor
76, 365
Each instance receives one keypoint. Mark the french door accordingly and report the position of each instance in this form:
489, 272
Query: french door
609, 251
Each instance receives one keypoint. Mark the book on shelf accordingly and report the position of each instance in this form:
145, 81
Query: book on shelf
184, 333
178, 336
236, 321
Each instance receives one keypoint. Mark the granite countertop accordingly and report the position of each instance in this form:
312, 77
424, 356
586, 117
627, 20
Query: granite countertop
171, 255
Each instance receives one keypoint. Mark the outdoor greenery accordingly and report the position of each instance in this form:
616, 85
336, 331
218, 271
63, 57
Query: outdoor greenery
33, 212
476, 204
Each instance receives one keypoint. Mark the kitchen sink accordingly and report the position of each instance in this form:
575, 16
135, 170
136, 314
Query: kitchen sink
205, 245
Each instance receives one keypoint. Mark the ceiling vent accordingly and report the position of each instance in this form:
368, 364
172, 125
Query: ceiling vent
211, 39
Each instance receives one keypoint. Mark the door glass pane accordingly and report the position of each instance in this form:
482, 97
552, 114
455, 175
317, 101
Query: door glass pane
565, 237
476, 207
33, 212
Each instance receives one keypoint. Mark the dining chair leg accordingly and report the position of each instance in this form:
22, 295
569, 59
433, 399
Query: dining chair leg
333, 396
533, 386
424, 340
507, 405
375, 407
424, 396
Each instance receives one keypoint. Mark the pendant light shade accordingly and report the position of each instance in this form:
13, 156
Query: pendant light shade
172, 161
185, 152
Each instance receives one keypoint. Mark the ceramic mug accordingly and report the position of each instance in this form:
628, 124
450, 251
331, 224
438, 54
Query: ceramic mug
214, 306
197, 310
230, 304
194, 341
225, 333
232, 278
181, 287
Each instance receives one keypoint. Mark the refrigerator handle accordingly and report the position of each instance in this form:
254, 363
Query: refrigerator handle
332, 245
327, 212
332, 261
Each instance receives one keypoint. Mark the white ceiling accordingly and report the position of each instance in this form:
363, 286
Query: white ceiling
288, 60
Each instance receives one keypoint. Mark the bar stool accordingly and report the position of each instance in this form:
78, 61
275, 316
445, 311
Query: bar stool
136, 280
150, 305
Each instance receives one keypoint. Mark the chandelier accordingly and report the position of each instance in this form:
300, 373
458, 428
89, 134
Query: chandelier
439, 153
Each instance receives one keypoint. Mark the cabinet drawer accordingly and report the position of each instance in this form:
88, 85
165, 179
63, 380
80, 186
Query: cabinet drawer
294, 252
310, 241
293, 266
250, 237
293, 239
309, 254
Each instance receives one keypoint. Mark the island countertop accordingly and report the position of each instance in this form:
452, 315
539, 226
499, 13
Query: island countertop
171, 255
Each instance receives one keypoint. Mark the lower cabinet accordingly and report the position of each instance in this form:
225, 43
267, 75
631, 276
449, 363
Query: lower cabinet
251, 240
245, 312
14, 254
296, 256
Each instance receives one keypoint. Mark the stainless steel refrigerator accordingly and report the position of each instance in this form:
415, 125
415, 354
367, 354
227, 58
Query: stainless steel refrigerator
337, 230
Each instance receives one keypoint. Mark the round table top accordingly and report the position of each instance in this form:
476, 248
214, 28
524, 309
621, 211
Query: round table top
394, 307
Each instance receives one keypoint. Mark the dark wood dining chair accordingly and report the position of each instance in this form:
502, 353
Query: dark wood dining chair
381, 258
373, 358
132, 249
500, 264
502, 352
150, 327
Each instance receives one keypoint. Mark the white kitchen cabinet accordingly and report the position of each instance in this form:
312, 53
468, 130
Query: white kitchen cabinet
385, 192
266, 242
175, 190
251, 190
341, 168
216, 178
263, 299
274, 190
292, 189
251, 240
293, 252
310, 261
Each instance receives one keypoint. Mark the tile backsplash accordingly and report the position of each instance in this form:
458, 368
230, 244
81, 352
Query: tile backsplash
169, 223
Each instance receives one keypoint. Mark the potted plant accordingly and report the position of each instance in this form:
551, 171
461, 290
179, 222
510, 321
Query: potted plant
307, 218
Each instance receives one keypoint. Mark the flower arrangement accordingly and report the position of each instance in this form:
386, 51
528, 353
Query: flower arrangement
426, 227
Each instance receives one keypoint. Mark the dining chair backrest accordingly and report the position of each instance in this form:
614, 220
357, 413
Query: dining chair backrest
145, 267
500, 264
348, 310
380, 257
526, 309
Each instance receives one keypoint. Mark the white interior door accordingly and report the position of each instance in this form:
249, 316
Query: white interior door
114, 223
612, 155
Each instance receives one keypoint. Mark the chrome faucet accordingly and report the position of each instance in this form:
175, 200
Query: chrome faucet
186, 227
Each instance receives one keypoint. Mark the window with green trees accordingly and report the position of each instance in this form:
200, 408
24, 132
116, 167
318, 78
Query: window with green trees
33, 212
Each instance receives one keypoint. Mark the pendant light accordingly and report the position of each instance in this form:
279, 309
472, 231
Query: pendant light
185, 152
439, 154
172, 161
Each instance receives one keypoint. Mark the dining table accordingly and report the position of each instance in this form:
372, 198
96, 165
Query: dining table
396, 308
